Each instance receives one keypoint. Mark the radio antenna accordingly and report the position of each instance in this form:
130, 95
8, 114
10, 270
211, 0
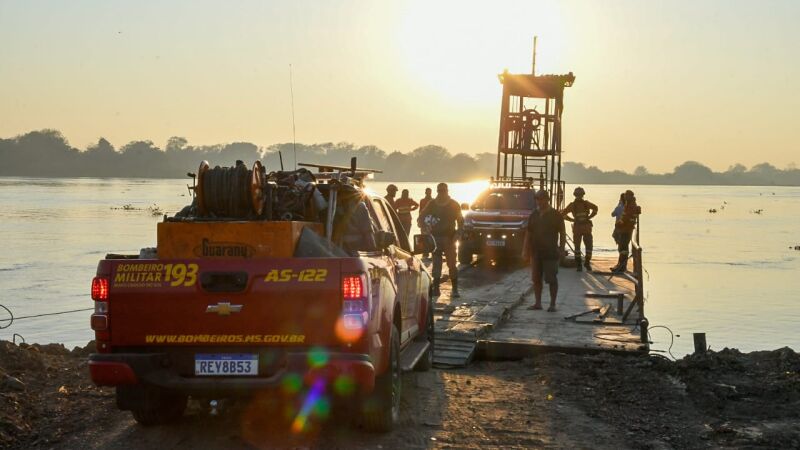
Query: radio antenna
294, 138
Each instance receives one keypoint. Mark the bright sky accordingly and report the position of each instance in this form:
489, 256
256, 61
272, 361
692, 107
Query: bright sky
658, 82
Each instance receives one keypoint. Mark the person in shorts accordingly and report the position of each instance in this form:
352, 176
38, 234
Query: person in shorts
545, 242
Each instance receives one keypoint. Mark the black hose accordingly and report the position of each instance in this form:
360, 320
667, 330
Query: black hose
226, 191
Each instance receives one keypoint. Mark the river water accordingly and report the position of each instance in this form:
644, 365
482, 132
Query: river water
731, 274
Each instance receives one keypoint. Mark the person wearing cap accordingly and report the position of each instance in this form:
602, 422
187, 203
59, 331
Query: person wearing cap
404, 206
582, 212
544, 246
624, 229
391, 192
442, 216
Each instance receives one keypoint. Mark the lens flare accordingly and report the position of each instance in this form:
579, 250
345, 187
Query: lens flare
344, 385
317, 357
292, 383
311, 404
345, 334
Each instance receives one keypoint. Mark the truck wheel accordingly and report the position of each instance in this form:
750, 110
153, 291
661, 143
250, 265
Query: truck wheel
381, 410
151, 406
464, 256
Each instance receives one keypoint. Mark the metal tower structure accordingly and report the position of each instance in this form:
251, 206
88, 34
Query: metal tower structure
529, 145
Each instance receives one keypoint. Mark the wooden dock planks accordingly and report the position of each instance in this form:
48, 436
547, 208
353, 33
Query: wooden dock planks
528, 332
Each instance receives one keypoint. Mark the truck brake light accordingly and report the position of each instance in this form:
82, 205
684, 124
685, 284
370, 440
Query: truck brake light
352, 287
355, 307
100, 320
100, 289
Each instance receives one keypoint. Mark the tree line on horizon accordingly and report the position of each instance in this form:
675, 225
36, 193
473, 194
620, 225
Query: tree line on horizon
46, 153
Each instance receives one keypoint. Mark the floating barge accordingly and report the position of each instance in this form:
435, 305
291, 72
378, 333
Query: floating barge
597, 311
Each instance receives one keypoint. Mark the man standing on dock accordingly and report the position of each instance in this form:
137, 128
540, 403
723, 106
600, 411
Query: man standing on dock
423, 202
443, 215
404, 206
391, 193
624, 230
545, 243
582, 212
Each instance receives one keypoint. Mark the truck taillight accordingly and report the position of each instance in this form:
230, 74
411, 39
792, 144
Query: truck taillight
352, 287
355, 306
99, 320
100, 289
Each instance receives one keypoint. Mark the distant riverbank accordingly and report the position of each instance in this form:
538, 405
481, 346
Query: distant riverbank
47, 153
380, 179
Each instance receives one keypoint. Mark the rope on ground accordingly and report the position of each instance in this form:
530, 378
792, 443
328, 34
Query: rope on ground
671, 337
12, 318
656, 355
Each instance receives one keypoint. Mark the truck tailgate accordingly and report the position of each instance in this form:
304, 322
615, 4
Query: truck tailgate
292, 301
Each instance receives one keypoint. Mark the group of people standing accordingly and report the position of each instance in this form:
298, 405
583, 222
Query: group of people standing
440, 217
546, 238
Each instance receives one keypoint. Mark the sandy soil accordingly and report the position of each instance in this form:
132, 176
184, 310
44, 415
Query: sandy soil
723, 399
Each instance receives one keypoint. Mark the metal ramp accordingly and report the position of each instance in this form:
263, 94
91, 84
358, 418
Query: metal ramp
454, 352
461, 323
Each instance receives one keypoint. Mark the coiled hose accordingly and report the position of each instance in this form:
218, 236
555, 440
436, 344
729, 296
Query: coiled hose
226, 191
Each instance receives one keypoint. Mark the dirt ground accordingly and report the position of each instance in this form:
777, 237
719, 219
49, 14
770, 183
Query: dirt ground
722, 399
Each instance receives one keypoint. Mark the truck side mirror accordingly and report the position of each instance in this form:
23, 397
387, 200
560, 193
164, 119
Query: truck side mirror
383, 239
424, 243
465, 207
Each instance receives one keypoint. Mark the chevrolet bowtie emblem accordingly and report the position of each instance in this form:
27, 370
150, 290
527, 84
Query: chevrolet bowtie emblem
223, 308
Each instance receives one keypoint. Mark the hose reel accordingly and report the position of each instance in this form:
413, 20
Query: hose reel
240, 193
231, 192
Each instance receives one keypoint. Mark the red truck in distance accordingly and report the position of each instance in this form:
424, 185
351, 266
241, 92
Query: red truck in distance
496, 222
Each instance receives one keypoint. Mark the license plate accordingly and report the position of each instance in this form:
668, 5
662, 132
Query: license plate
496, 243
226, 364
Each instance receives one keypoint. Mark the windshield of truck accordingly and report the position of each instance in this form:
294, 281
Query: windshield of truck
510, 199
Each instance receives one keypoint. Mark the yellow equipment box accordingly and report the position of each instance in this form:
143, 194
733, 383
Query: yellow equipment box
191, 240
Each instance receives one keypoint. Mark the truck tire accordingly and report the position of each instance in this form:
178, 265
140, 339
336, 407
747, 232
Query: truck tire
151, 406
381, 410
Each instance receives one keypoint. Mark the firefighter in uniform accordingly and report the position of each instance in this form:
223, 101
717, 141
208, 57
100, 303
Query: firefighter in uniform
404, 206
624, 230
442, 216
582, 212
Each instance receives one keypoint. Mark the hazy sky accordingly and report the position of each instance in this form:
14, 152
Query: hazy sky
658, 82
